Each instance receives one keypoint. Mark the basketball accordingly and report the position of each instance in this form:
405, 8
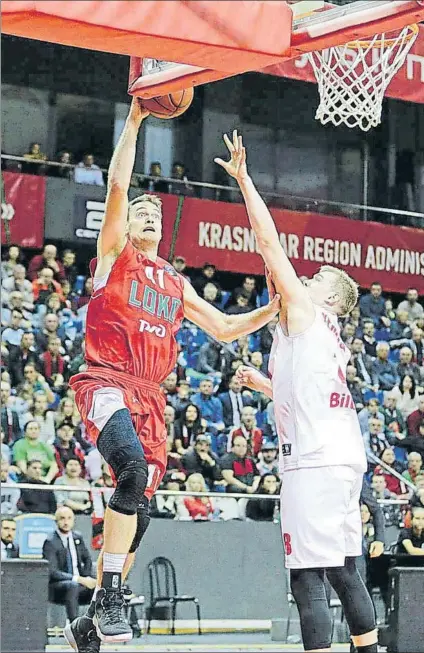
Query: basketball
171, 105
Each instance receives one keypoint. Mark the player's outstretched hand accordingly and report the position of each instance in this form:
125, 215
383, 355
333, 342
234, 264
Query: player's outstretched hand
236, 167
137, 110
250, 377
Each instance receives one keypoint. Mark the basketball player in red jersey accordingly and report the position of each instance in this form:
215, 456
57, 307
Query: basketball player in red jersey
136, 308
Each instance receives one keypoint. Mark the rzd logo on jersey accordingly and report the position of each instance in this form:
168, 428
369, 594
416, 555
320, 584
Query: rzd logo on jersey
159, 330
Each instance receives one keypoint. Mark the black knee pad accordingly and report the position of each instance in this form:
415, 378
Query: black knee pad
308, 589
356, 601
130, 485
143, 521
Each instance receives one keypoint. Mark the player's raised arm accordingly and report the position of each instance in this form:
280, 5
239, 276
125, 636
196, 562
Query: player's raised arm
112, 234
226, 328
282, 272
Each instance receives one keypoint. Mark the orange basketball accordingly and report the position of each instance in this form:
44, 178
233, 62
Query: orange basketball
171, 105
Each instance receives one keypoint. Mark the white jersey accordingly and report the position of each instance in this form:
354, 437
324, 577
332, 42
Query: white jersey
315, 415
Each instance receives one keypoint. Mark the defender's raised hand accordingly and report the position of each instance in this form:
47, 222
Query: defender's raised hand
236, 166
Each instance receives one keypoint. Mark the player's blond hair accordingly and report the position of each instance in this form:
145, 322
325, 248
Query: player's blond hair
346, 287
153, 199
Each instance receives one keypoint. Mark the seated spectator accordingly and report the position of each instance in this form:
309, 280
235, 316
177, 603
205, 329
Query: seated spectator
210, 294
354, 318
44, 417
411, 540
390, 312
9, 417
384, 371
233, 403
9, 496
181, 399
268, 459
199, 459
9, 550
348, 333
48, 259
241, 304
211, 357
417, 345
355, 387
178, 172
375, 440
209, 406
199, 508
414, 442
207, 274
239, 470
44, 286
16, 302
372, 409
52, 363
50, 329
83, 299
79, 499
407, 396
71, 574
169, 386
13, 258
187, 428
153, 185
179, 264
417, 499
67, 413
247, 289
171, 506
264, 509
368, 337
249, 430
65, 170
13, 332
36, 382
69, 267
18, 283
400, 331
66, 447
379, 489
54, 304
414, 470
407, 367
34, 154
373, 306
257, 360
393, 484
416, 418
363, 364
33, 500
22, 356
30, 447
411, 305
87, 172
392, 416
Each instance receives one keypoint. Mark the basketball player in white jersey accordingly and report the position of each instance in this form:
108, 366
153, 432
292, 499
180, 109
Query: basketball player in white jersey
321, 449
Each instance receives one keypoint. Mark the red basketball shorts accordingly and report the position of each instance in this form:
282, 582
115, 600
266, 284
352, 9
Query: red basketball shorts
99, 393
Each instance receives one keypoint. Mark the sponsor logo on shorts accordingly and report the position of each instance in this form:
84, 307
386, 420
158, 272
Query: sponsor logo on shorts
343, 400
286, 449
115, 581
158, 330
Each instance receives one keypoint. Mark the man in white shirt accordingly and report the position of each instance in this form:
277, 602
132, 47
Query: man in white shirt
87, 172
318, 429
70, 565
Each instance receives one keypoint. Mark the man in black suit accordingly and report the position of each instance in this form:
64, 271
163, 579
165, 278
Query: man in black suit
8, 533
70, 565
233, 403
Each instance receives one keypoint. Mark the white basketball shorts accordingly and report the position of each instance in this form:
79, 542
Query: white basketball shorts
320, 516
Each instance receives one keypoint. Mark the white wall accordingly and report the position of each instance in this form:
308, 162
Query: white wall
24, 119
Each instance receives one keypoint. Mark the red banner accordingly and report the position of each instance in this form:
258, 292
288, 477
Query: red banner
22, 211
407, 84
219, 233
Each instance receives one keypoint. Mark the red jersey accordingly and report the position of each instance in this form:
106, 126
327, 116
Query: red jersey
132, 321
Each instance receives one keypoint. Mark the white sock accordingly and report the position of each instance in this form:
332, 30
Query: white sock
96, 589
114, 562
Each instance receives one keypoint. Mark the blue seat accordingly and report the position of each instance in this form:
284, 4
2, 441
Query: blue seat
224, 299
79, 284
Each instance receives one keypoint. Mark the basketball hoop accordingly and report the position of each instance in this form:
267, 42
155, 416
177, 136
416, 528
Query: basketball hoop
353, 78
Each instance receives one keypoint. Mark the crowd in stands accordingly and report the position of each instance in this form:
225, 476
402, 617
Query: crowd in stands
221, 437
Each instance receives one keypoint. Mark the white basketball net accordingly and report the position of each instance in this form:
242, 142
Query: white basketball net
353, 78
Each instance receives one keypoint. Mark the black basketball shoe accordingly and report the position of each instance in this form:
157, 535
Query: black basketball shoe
109, 619
81, 635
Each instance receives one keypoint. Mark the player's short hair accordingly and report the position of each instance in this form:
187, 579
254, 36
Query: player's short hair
153, 199
346, 287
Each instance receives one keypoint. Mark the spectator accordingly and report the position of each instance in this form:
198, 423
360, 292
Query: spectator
233, 403
207, 275
9, 417
370, 343
22, 356
400, 330
34, 154
372, 409
18, 283
70, 567
65, 170
30, 447
9, 549
363, 363
267, 335
209, 406
45, 285
13, 258
417, 500
83, 299
12, 334
417, 346
44, 417
411, 539
181, 399
249, 430
241, 304
416, 418
373, 306
268, 463
211, 358
383, 370
379, 489
69, 267
200, 460
155, 185
411, 305
9, 496
48, 259
264, 509
210, 294
79, 499
239, 470
390, 312
199, 508
178, 172
348, 333
406, 366
187, 428
393, 484
257, 360
414, 469
407, 396
172, 506
170, 386
87, 172
50, 329
179, 264
354, 385
169, 418
52, 363
16, 302
375, 440
37, 382
31, 501
393, 418
414, 442
66, 447
247, 289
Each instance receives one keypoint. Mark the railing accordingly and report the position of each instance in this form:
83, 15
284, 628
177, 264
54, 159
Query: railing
274, 199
